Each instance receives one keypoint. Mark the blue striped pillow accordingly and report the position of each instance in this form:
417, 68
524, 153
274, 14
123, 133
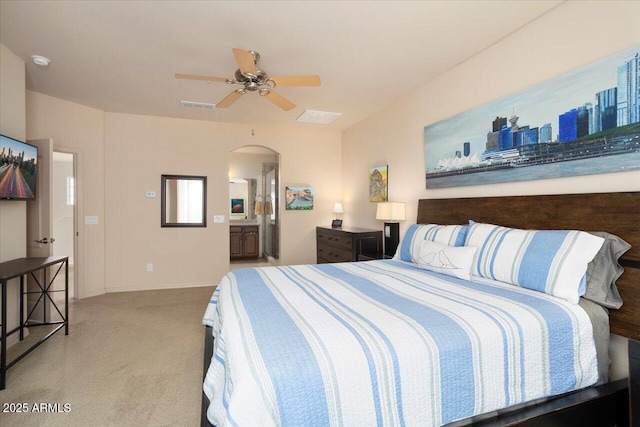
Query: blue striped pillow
549, 261
409, 247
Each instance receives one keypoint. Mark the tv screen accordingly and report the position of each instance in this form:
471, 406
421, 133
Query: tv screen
18, 169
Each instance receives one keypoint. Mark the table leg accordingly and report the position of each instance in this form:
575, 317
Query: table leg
3, 358
21, 308
66, 297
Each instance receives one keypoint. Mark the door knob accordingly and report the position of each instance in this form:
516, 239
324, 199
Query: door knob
44, 240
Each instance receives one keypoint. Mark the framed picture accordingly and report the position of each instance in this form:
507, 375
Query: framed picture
581, 123
237, 206
378, 184
298, 198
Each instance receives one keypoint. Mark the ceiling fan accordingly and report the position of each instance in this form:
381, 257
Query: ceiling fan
253, 79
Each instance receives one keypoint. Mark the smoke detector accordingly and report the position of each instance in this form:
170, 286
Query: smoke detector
42, 61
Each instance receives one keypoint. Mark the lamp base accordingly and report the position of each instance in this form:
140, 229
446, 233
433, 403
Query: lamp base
391, 238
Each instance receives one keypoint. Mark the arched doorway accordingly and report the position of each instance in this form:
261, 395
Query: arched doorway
254, 190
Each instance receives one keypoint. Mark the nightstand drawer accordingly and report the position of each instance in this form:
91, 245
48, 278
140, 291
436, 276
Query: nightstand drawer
333, 254
340, 255
324, 251
344, 244
335, 240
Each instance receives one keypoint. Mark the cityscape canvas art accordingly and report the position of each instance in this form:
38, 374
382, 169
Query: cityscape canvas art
581, 123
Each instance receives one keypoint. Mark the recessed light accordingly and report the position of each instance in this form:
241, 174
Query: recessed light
312, 116
40, 60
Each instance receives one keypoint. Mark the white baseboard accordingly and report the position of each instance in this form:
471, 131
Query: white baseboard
94, 293
112, 289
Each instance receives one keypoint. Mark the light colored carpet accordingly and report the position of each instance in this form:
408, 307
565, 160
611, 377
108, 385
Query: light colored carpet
130, 359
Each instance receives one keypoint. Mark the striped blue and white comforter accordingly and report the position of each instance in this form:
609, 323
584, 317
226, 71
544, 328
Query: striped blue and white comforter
384, 343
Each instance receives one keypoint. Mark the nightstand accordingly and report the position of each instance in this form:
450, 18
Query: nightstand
634, 381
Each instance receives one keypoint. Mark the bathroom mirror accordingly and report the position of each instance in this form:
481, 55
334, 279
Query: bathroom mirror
184, 201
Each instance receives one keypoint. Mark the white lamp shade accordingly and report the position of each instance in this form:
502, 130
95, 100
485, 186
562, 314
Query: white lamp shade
337, 208
390, 211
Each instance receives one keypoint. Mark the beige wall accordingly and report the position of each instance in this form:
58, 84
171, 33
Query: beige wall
568, 37
13, 215
573, 35
141, 148
79, 129
121, 156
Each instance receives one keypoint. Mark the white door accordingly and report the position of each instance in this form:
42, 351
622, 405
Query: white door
63, 203
39, 226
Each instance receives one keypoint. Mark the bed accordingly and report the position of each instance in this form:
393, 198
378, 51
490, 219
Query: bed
386, 343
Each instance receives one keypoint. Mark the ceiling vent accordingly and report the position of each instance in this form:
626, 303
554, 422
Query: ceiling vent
195, 104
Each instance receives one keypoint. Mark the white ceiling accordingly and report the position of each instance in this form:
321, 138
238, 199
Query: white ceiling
121, 56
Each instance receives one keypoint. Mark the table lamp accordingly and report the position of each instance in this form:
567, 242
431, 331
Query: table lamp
391, 212
337, 209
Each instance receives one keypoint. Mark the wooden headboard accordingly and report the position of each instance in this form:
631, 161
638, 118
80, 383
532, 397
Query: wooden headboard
616, 213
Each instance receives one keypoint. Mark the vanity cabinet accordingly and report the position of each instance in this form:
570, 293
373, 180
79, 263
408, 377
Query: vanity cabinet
244, 241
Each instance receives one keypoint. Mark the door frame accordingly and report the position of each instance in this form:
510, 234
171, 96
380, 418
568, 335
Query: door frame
78, 241
278, 163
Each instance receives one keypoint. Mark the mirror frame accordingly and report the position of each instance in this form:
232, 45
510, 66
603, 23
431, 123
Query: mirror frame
163, 208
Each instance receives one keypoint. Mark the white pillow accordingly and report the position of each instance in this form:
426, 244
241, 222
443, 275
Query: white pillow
549, 261
451, 260
409, 247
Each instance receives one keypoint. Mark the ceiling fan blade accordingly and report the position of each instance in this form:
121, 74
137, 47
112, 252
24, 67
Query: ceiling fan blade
230, 99
205, 78
296, 81
245, 61
279, 101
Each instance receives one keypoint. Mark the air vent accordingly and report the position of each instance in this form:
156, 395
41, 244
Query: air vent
195, 104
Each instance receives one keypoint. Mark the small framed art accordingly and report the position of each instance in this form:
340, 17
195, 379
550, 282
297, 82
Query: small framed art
378, 184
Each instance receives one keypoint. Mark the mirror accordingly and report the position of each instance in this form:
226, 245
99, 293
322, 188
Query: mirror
242, 192
184, 201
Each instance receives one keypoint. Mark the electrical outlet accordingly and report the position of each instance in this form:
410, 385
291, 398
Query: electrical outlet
149, 267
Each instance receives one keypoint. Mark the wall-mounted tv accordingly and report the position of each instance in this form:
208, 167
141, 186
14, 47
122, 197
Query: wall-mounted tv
18, 169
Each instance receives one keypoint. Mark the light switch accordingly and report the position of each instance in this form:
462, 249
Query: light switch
218, 219
150, 194
91, 220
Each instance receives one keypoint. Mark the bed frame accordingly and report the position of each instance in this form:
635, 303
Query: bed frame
616, 213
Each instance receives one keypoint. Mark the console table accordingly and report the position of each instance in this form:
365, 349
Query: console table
21, 268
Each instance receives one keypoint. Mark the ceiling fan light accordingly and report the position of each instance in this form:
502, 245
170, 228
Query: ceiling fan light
270, 83
264, 91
